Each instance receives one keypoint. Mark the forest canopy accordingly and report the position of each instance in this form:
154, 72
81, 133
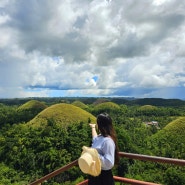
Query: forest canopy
38, 136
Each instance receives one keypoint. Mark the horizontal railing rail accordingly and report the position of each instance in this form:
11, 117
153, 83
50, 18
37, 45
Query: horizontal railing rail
179, 162
54, 173
124, 180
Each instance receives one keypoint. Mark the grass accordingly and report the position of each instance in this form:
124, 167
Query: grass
32, 104
62, 114
148, 107
109, 105
80, 104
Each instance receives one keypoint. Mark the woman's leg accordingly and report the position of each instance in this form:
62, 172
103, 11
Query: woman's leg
105, 178
94, 180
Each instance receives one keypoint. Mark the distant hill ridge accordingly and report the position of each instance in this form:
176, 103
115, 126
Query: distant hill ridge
157, 102
91, 100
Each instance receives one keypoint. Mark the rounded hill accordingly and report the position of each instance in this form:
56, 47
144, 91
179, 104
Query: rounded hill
107, 106
176, 127
148, 107
80, 104
62, 114
171, 139
32, 105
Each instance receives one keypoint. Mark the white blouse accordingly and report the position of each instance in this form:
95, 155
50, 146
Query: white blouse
106, 149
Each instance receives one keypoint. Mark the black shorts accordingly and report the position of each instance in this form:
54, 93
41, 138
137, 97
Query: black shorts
105, 178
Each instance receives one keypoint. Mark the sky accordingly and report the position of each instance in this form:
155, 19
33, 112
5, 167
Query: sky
89, 48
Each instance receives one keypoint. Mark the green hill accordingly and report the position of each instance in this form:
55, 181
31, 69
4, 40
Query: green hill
157, 102
62, 114
107, 105
148, 107
170, 141
177, 126
32, 105
29, 110
80, 104
100, 100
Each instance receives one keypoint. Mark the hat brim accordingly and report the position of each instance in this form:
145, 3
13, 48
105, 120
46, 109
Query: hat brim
94, 153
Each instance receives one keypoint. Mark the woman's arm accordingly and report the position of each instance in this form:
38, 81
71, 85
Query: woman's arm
93, 127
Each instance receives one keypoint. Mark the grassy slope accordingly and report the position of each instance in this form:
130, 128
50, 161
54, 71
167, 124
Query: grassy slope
171, 138
62, 114
148, 107
177, 126
80, 104
109, 105
32, 104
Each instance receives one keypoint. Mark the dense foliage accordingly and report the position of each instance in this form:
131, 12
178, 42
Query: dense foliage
28, 153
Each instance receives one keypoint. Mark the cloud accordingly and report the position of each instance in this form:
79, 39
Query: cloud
92, 48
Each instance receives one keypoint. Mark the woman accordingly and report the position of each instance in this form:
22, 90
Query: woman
106, 145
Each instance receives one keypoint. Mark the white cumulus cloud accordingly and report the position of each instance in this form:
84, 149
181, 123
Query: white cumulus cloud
92, 48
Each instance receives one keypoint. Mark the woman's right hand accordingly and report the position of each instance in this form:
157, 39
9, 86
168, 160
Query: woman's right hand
92, 125
93, 128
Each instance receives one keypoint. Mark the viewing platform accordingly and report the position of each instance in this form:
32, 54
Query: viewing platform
178, 162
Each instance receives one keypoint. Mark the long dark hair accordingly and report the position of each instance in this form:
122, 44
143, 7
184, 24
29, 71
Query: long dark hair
106, 129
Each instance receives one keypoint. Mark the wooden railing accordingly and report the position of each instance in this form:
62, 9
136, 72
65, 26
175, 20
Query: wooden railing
179, 162
125, 180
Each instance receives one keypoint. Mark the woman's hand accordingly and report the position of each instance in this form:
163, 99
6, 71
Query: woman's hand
92, 125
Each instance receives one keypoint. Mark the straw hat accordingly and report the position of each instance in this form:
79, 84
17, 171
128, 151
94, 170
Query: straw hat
89, 162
